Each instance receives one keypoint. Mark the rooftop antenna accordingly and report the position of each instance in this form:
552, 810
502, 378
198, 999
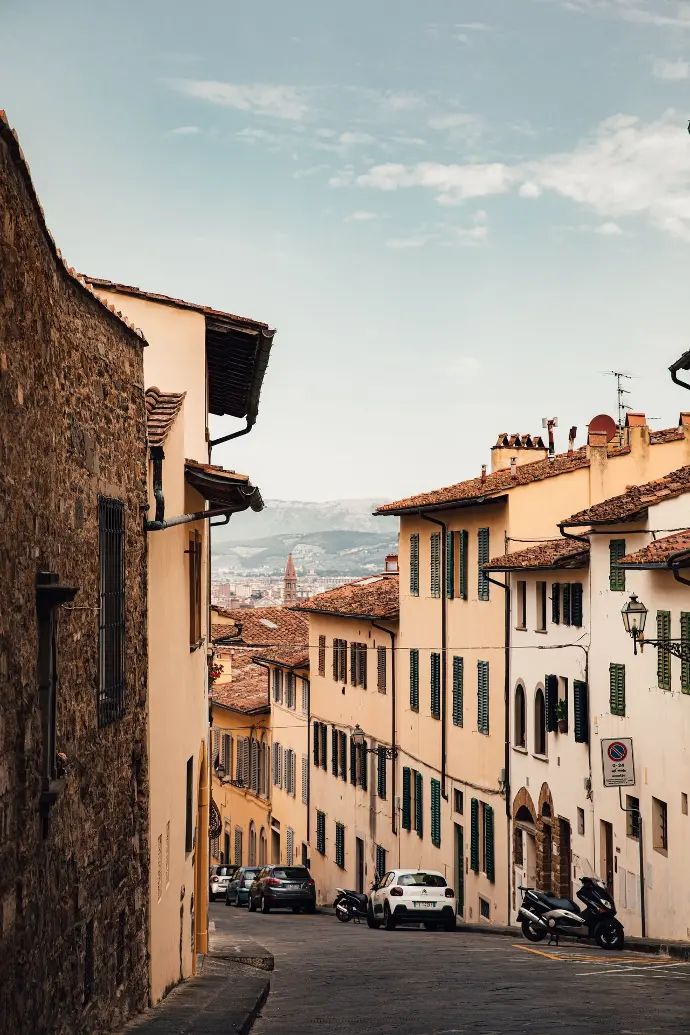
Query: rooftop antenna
621, 403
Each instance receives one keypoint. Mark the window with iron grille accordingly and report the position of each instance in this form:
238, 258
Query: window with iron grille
482, 559
189, 808
414, 564
381, 782
339, 845
111, 619
380, 860
381, 669
435, 685
305, 779
194, 552
414, 679
321, 832
322, 655
435, 568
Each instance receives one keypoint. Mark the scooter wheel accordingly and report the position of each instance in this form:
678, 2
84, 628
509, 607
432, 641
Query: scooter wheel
343, 914
533, 932
609, 935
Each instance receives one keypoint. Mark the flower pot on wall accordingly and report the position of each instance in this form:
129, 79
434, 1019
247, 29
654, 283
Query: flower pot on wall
562, 725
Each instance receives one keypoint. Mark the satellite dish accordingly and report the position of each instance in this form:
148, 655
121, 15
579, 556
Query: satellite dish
604, 424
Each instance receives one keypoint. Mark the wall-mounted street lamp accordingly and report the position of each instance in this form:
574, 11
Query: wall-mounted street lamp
358, 739
634, 615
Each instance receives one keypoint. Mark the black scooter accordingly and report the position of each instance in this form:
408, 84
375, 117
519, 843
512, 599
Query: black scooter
543, 915
350, 905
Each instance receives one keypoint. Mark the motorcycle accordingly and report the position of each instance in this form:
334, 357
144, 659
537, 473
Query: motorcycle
543, 915
350, 905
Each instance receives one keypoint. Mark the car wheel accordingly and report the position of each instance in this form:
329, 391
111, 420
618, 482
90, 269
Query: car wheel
533, 932
251, 905
388, 918
310, 907
449, 924
295, 909
371, 919
227, 900
265, 905
237, 901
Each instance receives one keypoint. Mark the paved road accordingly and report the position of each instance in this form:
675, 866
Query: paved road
336, 979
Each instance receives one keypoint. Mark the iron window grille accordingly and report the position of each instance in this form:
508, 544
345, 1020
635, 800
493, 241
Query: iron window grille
111, 618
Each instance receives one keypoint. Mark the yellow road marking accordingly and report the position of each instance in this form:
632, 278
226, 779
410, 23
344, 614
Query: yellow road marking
579, 957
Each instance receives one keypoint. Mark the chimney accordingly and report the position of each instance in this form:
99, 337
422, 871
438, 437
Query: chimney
636, 431
483, 474
513, 468
684, 420
572, 435
391, 562
526, 449
550, 423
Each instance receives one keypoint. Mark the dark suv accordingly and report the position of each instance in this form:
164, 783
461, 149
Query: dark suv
280, 887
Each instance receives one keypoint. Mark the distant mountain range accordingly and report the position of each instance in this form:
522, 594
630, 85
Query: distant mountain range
342, 552
301, 517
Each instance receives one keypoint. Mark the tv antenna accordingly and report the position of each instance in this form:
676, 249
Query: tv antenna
620, 393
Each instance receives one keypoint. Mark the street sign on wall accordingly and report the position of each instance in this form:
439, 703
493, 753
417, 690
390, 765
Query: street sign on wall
617, 762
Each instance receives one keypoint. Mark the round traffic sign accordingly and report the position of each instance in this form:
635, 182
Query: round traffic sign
617, 752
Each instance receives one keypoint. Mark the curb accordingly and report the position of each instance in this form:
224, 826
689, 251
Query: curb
677, 950
248, 1022
249, 953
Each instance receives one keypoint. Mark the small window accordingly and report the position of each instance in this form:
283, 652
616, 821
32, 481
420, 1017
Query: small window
189, 808
541, 607
521, 596
483, 697
632, 817
380, 859
484, 909
111, 627
414, 679
194, 569
617, 689
520, 730
581, 821
321, 832
381, 781
435, 681
684, 803
663, 662
339, 845
458, 801
539, 723
659, 825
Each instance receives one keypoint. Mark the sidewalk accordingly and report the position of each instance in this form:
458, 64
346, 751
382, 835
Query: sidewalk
224, 999
651, 946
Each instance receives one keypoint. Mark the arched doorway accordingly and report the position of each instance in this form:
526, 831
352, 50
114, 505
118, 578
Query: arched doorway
524, 844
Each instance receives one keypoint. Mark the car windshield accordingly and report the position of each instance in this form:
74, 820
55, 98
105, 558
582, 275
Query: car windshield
249, 874
427, 880
291, 873
223, 871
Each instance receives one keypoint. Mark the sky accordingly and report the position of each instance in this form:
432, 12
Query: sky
458, 214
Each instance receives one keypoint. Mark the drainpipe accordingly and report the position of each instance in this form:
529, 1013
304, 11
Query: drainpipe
185, 519
226, 438
505, 586
569, 535
677, 380
444, 680
394, 818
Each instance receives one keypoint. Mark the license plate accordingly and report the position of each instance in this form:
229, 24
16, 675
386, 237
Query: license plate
426, 905
292, 887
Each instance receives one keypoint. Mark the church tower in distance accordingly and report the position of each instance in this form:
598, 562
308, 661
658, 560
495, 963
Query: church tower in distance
290, 583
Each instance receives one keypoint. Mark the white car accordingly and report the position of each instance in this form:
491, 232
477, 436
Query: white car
412, 897
219, 878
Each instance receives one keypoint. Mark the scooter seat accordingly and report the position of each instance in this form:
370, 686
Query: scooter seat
562, 903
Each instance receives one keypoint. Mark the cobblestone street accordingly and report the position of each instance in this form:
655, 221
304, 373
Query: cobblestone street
332, 977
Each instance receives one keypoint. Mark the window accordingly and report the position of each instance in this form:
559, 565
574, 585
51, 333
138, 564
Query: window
305, 697
450, 565
334, 751
521, 600
414, 680
277, 765
305, 779
414, 564
482, 559
684, 803
581, 711
484, 909
289, 846
556, 603
663, 658
632, 817
518, 847
488, 841
111, 617
576, 604
291, 689
616, 574
189, 808
353, 763
418, 805
436, 813
435, 565
380, 859
227, 755
464, 548
551, 695
88, 961
381, 781
436, 685
358, 664
685, 640
459, 801
566, 603
541, 606
322, 655
194, 569
340, 845
238, 846
458, 676
617, 689
340, 660
278, 685
520, 717
290, 782
539, 723
483, 697
581, 821
324, 746
363, 754
252, 843
474, 835
406, 798
316, 746
343, 756
659, 825
381, 669
321, 832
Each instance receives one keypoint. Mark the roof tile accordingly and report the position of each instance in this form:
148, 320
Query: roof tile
659, 551
553, 553
162, 409
376, 596
633, 503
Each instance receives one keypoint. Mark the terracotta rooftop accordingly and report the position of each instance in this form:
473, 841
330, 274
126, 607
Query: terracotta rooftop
552, 554
666, 435
632, 505
264, 627
222, 488
287, 657
376, 597
247, 689
161, 410
12, 140
657, 553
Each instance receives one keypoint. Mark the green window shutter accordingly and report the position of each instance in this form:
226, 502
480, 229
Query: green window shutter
483, 696
617, 689
321, 832
685, 641
576, 603
551, 687
406, 816
353, 663
567, 598
380, 860
363, 770
316, 744
556, 603
381, 783
324, 745
474, 837
663, 658
343, 756
436, 813
458, 667
339, 844
489, 842
464, 547
435, 569
334, 751
616, 574
436, 686
482, 558
414, 679
353, 762
381, 669
418, 805
363, 657
450, 565
414, 564
581, 709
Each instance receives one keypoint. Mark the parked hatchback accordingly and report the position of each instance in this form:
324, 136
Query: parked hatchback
219, 877
412, 897
282, 887
237, 891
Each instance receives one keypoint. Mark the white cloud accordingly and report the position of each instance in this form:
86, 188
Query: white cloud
640, 12
312, 170
353, 138
265, 99
185, 131
413, 241
452, 121
609, 230
249, 133
530, 190
671, 71
472, 234
474, 26
453, 183
361, 217
343, 178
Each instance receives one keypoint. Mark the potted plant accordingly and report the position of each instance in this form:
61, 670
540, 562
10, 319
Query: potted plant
562, 715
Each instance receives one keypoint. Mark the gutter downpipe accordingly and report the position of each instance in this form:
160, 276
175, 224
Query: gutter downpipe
672, 563
185, 519
677, 380
226, 438
444, 666
506, 704
575, 538
394, 816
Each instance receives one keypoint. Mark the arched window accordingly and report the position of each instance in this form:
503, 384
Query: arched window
539, 723
520, 726
252, 844
263, 848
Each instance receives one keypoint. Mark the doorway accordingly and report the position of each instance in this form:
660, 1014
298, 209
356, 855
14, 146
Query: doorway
460, 868
546, 858
359, 864
606, 852
565, 860
275, 846
226, 847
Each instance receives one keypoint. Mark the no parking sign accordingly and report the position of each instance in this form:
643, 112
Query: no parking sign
618, 764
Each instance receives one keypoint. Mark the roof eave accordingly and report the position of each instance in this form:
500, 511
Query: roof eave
537, 567
266, 662
348, 614
478, 501
639, 515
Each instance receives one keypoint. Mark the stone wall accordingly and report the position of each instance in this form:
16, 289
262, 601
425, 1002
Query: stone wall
72, 426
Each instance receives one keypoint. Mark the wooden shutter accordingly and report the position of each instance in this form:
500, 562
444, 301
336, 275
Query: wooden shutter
414, 679
450, 565
418, 805
305, 779
685, 641
482, 558
339, 844
343, 662
353, 762
254, 762
324, 746
483, 696
556, 603
194, 588
581, 709
474, 836
363, 772
566, 603
551, 687
464, 548
617, 689
317, 743
616, 574
381, 772
414, 564
663, 658
290, 846
576, 603
435, 567
458, 666
363, 655
436, 685
322, 655
334, 751
489, 842
436, 813
354, 650
406, 816
245, 762
336, 655
321, 832
381, 669
343, 756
